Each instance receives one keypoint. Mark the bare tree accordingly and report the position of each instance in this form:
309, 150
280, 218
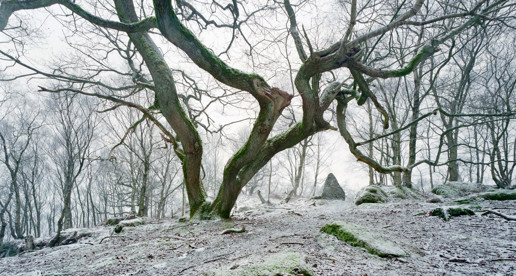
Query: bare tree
74, 134
15, 142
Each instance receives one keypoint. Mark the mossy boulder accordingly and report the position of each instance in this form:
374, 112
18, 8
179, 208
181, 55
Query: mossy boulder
373, 242
381, 194
371, 194
447, 212
286, 263
458, 189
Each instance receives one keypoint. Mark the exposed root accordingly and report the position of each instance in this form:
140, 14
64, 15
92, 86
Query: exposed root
233, 230
511, 218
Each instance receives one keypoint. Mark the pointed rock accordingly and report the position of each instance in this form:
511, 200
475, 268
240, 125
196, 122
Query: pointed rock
332, 189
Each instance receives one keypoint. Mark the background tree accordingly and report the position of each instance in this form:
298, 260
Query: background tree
74, 135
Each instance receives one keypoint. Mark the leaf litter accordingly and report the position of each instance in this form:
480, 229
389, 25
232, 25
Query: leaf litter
483, 244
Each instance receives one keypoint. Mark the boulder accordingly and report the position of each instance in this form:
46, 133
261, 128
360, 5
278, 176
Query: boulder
332, 189
373, 242
371, 194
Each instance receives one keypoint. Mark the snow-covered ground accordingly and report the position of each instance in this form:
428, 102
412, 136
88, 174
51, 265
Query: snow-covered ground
466, 245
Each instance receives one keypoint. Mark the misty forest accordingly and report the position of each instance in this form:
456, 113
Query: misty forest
257, 137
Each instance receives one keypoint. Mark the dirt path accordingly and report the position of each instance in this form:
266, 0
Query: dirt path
468, 245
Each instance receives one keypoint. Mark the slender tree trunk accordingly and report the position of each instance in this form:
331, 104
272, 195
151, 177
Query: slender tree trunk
143, 207
453, 165
299, 172
370, 147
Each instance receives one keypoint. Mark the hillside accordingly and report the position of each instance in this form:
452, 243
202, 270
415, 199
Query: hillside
482, 244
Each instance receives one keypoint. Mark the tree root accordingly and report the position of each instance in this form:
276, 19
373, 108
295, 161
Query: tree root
511, 218
233, 230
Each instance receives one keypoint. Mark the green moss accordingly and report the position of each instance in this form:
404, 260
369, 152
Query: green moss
369, 198
467, 200
204, 212
439, 212
371, 194
118, 229
435, 200
349, 238
113, 221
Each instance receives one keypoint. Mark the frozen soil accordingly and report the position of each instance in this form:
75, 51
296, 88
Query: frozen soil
466, 245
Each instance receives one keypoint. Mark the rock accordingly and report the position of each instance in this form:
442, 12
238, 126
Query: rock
371, 194
332, 189
286, 263
373, 242
458, 189
446, 212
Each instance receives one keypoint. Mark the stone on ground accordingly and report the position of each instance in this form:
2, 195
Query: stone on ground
332, 189
373, 242
286, 263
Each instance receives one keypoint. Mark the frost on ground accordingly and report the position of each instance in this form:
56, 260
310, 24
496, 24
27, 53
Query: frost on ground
464, 245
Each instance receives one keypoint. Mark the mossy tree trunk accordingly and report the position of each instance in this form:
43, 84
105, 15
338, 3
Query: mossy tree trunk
170, 107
